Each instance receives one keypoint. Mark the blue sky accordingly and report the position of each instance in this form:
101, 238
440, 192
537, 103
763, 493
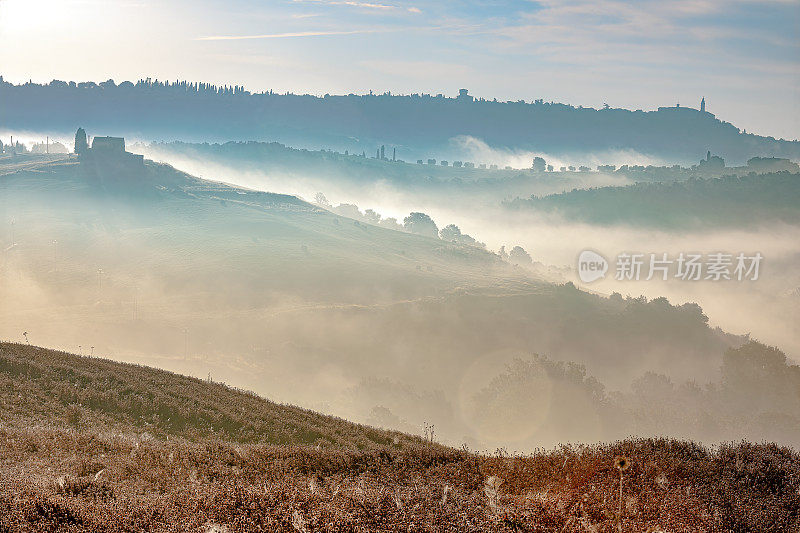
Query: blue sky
743, 56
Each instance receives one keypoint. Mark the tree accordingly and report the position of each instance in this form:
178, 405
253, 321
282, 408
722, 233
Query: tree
758, 377
539, 164
452, 233
349, 211
372, 217
421, 224
390, 223
81, 146
535, 398
320, 199
519, 256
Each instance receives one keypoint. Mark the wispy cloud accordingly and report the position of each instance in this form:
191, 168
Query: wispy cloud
743, 55
349, 3
362, 5
323, 33
681, 32
284, 35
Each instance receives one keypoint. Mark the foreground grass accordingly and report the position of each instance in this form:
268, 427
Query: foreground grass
63, 479
42, 386
93, 445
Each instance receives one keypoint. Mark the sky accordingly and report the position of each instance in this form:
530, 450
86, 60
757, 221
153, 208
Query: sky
742, 56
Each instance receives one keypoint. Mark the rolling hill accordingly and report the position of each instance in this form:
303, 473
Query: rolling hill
270, 293
54, 389
726, 202
214, 228
94, 445
419, 125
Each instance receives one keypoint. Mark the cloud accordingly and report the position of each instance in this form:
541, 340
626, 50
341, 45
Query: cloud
672, 25
283, 35
684, 43
349, 3
325, 33
744, 56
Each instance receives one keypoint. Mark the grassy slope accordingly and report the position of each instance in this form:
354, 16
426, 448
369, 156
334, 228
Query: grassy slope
42, 386
104, 475
277, 241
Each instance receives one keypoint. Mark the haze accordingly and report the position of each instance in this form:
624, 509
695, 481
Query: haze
627, 54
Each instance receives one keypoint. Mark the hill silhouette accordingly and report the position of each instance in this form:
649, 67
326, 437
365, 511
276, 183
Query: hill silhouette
416, 124
730, 201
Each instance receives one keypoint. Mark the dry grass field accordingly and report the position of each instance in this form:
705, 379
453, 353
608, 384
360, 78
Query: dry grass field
93, 445
67, 480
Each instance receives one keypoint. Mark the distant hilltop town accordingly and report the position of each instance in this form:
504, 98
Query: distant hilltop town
416, 123
679, 109
154, 87
710, 165
382, 164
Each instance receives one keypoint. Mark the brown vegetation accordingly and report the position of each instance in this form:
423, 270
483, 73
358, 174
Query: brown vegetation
76, 481
93, 445
41, 386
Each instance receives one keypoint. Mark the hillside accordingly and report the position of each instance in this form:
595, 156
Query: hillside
730, 201
214, 229
53, 389
93, 445
270, 293
417, 124
369, 182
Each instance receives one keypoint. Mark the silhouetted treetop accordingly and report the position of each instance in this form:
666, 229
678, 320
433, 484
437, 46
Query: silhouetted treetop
192, 110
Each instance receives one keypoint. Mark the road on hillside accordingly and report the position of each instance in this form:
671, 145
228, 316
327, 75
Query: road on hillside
10, 163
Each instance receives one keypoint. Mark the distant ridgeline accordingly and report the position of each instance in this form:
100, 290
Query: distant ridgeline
732, 201
197, 111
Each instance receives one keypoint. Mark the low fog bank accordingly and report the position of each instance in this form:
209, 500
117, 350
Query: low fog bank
466, 147
464, 364
767, 308
394, 188
267, 293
